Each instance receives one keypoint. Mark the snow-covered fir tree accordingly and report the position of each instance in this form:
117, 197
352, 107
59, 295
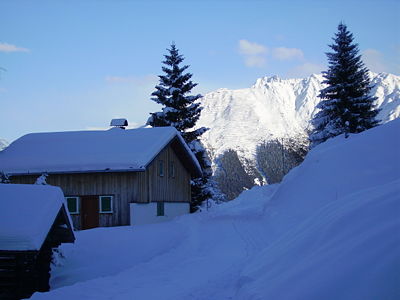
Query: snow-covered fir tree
181, 111
4, 177
346, 106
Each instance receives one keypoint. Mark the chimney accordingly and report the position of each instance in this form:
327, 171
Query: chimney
120, 123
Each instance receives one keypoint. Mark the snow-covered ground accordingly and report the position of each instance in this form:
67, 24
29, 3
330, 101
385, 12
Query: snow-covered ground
330, 230
3, 144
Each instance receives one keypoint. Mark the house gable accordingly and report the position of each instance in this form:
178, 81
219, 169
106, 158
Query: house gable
169, 187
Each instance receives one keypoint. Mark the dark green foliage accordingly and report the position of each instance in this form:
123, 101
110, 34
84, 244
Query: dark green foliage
346, 105
179, 109
4, 178
182, 111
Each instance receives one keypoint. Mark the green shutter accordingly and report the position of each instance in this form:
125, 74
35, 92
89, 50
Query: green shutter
161, 168
106, 204
160, 208
171, 169
72, 204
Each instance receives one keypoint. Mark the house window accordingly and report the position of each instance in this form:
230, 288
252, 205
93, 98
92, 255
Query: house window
160, 208
161, 168
105, 204
171, 169
73, 205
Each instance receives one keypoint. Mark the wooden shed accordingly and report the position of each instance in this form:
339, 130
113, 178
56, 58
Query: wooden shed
109, 178
33, 222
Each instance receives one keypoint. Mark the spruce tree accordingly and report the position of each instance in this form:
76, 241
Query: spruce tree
346, 106
181, 111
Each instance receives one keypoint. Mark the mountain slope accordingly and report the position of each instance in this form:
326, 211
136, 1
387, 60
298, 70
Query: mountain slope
259, 133
276, 108
328, 231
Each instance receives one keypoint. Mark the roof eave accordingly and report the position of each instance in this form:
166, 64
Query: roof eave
23, 173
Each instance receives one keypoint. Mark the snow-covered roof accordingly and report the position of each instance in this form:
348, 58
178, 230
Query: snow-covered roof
27, 213
115, 149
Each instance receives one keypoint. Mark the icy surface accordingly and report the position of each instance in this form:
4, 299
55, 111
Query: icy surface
276, 108
84, 151
27, 214
330, 230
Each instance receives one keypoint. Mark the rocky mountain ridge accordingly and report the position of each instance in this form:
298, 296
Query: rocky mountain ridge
273, 109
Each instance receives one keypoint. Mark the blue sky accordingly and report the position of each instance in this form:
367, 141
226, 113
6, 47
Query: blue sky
73, 65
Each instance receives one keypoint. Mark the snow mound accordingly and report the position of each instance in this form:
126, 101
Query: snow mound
330, 230
27, 214
335, 223
3, 144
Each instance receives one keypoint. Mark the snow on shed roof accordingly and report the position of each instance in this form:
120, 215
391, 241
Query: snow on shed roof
27, 213
88, 151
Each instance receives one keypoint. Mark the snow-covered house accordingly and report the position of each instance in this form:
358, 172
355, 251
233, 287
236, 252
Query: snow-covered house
110, 178
33, 221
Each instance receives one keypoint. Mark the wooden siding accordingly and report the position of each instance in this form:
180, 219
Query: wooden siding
125, 187
167, 188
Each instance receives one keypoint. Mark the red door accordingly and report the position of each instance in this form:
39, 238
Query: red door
90, 211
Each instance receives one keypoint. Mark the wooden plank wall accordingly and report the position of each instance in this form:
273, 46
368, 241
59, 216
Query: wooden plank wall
126, 187
166, 188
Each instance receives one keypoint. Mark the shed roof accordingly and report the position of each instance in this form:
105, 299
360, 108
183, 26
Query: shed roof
27, 214
90, 151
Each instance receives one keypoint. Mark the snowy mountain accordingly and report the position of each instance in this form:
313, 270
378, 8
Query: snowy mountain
3, 144
273, 108
328, 231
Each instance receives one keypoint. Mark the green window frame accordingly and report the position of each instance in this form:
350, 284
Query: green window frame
106, 204
161, 168
160, 209
72, 205
171, 169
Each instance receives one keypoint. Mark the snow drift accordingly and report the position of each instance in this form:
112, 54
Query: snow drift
3, 144
330, 230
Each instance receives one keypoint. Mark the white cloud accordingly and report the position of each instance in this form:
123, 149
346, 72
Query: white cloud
250, 48
5, 47
373, 59
254, 54
283, 53
306, 69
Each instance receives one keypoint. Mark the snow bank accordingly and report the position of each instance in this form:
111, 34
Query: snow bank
27, 214
3, 144
330, 230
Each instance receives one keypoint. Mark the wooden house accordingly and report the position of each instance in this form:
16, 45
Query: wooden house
109, 178
33, 221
